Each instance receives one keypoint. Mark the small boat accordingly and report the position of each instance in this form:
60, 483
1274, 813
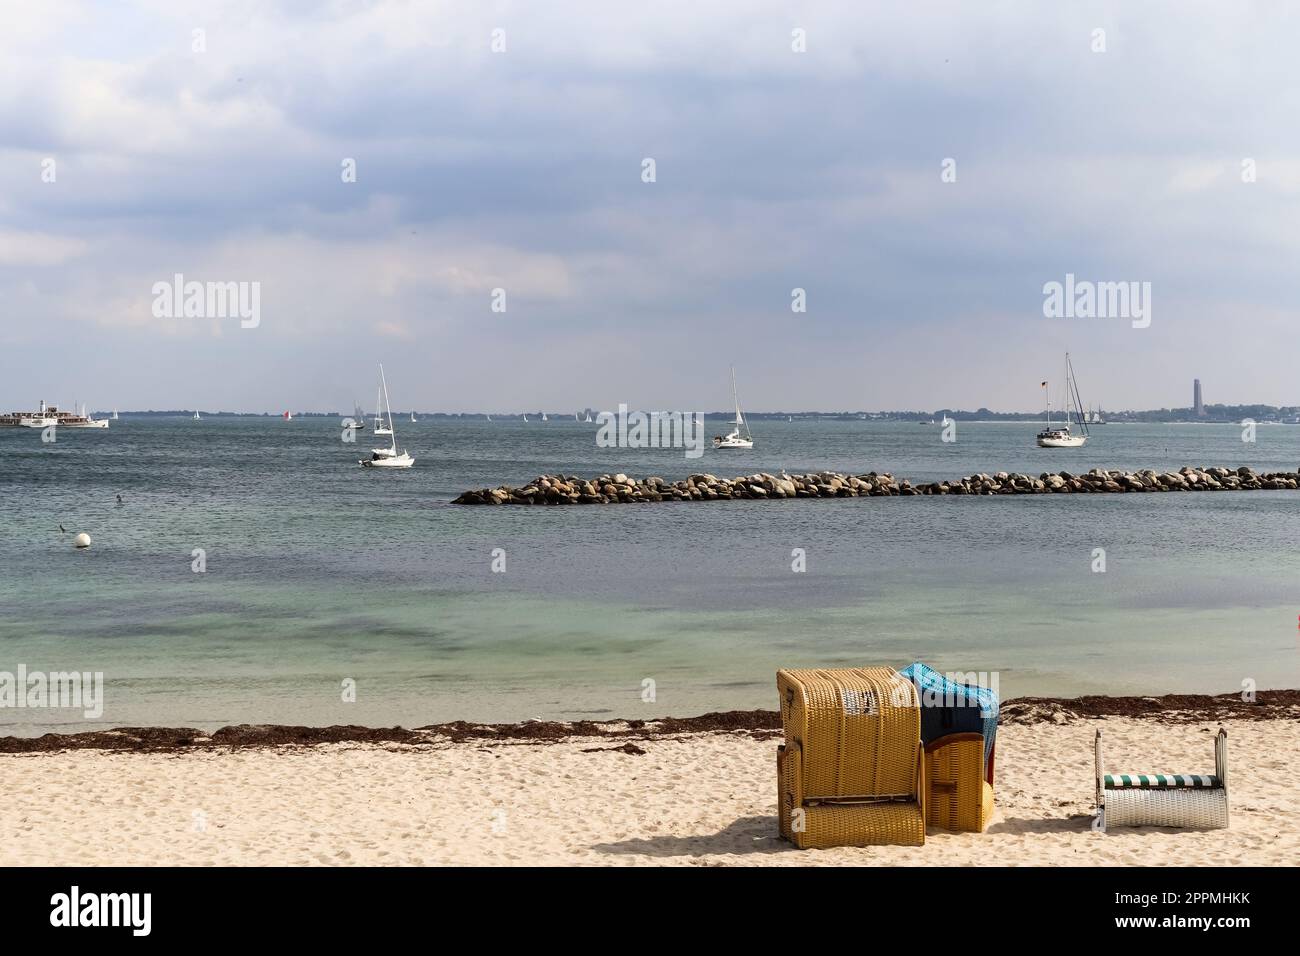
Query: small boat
413, 418
736, 438
358, 418
1061, 436
288, 416
588, 419
544, 418
115, 414
386, 457
198, 417
525, 416
489, 419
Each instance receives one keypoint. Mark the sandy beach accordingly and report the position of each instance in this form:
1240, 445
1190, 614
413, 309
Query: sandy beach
627, 795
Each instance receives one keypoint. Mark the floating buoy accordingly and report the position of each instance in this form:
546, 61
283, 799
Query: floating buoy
82, 540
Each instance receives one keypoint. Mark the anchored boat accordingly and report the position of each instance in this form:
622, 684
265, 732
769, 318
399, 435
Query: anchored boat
739, 436
386, 457
1061, 436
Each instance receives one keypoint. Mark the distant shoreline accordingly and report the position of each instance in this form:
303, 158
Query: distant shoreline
1168, 709
1229, 415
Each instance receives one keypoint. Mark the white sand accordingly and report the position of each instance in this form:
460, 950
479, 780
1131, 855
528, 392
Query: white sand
701, 799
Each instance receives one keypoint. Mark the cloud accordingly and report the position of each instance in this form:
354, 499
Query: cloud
521, 170
37, 249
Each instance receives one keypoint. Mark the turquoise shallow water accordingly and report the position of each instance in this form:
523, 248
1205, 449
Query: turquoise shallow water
318, 571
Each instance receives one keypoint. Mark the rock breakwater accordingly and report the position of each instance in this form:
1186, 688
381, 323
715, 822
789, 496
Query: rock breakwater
621, 489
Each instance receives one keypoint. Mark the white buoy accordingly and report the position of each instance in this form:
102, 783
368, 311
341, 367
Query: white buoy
82, 540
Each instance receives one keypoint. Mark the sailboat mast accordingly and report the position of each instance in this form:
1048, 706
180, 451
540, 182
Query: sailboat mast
735, 398
387, 405
1078, 402
1065, 399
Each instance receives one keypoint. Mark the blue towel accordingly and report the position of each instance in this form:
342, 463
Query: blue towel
951, 708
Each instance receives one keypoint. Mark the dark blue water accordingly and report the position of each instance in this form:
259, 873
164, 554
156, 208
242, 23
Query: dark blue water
318, 571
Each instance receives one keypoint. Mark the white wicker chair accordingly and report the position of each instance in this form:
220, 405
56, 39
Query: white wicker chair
1162, 799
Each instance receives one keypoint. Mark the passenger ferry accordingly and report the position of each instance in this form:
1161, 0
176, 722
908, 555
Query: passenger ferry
48, 415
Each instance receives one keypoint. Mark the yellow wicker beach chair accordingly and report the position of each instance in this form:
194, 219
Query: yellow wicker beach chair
1165, 799
959, 798
852, 770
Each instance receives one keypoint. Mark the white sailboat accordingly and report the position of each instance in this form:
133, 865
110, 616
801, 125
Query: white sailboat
588, 419
1061, 437
115, 414
489, 419
198, 417
379, 428
544, 418
387, 457
525, 416
413, 418
736, 438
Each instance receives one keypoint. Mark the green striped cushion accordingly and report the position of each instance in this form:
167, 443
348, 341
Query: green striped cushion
1160, 781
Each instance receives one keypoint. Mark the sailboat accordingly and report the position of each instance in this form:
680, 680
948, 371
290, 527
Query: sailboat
288, 416
588, 418
387, 457
544, 418
358, 418
379, 427
198, 417
489, 419
735, 438
413, 418
115, 414
525, 416
1061, 437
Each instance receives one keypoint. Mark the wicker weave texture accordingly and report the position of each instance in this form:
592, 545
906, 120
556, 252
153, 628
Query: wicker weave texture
1170, 807
831, 824
858, 730
1185, 807
959, 799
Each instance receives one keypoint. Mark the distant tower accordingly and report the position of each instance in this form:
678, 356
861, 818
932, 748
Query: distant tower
1198, 406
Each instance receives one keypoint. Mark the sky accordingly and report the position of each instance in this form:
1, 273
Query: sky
133, 148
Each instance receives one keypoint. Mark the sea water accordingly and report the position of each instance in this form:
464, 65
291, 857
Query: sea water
330, 594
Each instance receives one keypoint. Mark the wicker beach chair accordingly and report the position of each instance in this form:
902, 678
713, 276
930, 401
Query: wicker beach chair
852, 770
1165, 799
959, 797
